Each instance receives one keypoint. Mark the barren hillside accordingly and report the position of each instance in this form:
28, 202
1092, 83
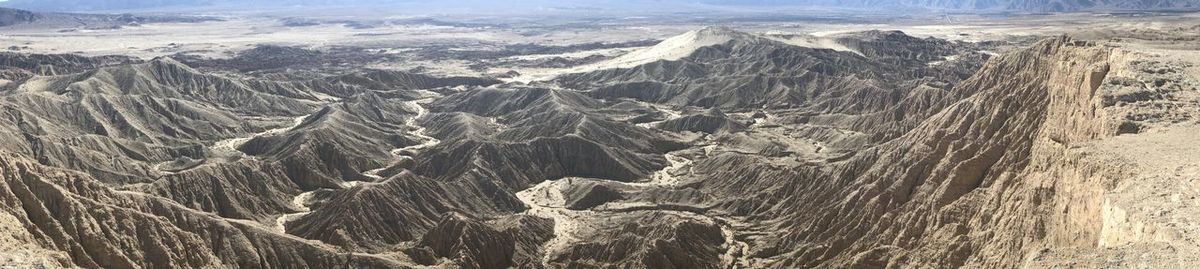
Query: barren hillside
716, 147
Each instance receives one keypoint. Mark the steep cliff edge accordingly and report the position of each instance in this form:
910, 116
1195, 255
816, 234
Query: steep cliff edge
1146, 219
983, 182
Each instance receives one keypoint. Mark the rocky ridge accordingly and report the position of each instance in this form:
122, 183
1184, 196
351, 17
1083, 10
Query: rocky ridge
742, 151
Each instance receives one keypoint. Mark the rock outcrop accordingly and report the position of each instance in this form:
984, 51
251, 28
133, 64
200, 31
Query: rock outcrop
932, 196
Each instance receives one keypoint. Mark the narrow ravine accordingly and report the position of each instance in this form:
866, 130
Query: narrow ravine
231, 145
666, 176
671, 114
300, 201
546, 200
737, 253
227, 149
417, 130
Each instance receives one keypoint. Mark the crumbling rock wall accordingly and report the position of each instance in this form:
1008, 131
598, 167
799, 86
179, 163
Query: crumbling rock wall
982, 182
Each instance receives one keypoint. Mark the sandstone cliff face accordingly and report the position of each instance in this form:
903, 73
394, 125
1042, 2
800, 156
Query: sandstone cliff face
980, 183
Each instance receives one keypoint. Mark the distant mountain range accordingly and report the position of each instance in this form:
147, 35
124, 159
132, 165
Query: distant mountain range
666, 5
17, 18
86, 5
984, 5
12, 16
125, 5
